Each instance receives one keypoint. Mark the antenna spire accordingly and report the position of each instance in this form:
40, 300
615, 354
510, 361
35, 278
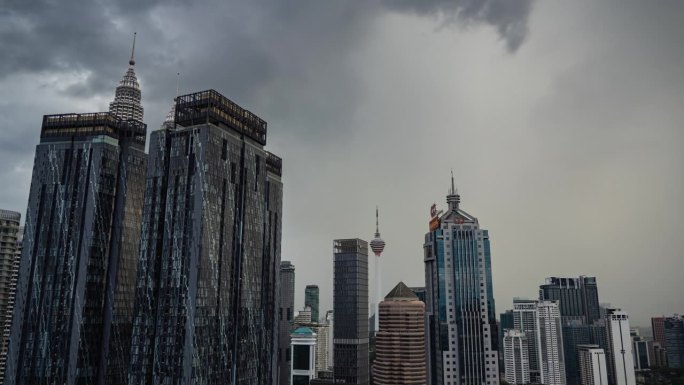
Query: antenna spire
177, 82
453, 189
377, 225
132, 61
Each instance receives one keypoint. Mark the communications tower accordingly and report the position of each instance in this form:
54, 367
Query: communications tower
377, 245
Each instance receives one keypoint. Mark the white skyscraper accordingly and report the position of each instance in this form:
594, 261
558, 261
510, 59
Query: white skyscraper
516, 358
525, 320
550, 338
592, 365
621, 360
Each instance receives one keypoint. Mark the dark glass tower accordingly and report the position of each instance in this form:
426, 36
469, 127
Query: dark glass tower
285, 317
580, 317
73, 312
311, 300
350, 303
207, 298
462, 329
578, 297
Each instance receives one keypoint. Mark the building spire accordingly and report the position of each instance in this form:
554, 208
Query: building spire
132, 61
127, 97
377, 225
453, 199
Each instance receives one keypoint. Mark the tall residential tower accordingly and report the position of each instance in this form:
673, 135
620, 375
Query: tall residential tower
206, 299
73, 313
462, 331
10, 255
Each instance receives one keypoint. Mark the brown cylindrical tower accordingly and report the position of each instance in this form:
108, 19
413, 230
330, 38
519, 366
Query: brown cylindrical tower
400, 342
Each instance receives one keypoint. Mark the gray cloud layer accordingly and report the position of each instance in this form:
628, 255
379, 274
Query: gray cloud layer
562, 121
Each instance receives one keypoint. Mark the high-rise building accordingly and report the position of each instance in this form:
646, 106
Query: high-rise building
400, 340
377, 245
619, 355
643, 353
303, 316
330, 321
592, 365
505, 323
658, 326
578, 297
659, 356
525, 319
10, 254
550, 340
303, 356
285, 317
462, 335
311, 295
580, 312
73, 310
350, 301
516, 358
674, 341
207, 291
322, 340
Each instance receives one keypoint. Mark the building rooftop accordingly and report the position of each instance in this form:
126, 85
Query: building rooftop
304, 331
401, 292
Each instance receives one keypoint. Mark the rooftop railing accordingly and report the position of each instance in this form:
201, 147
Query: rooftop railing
211, 107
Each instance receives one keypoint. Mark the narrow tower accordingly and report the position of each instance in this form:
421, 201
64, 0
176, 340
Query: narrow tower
377, 245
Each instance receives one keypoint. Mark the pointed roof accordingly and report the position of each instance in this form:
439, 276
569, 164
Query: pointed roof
127, 97
401, 292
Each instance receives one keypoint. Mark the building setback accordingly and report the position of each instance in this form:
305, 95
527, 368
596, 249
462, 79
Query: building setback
592, 365
285, 318
10, 255
400, 340
73, 311
350, 306
207, 299
462, 331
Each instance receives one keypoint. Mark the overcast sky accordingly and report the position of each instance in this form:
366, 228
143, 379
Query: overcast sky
562, 121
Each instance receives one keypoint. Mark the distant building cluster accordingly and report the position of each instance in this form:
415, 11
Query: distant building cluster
164, 267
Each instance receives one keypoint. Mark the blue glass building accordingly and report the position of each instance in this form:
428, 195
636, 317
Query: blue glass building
461, 317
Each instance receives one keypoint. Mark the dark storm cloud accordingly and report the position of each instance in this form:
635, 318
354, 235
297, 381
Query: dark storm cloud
509, 17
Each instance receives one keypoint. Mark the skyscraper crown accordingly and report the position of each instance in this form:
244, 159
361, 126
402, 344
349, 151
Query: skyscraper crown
127, 97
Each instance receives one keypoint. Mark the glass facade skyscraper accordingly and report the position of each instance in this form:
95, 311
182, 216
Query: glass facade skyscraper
578, 297
206, 299
350, 306
462, 335
311, 295
73, 312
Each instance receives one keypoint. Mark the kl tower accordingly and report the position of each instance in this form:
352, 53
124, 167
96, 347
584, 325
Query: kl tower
377, 245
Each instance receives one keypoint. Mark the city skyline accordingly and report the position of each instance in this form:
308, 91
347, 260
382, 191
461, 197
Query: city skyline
594, 181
